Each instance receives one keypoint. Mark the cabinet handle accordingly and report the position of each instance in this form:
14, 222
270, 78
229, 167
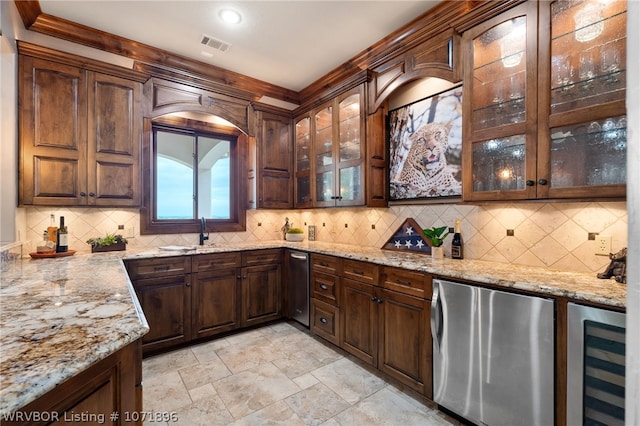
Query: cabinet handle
91, 194
530, 182
239, 277
323, 286
379, 301
325, 264
357, 272
161, 268
323, 320
244, 277
188, 284
403, 282
542, 181
373, 298
83, 194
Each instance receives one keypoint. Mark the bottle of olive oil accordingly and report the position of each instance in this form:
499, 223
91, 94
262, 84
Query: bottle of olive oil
457, 246
52, 230
63, 237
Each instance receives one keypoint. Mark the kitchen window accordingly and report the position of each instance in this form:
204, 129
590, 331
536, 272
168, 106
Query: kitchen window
192, 172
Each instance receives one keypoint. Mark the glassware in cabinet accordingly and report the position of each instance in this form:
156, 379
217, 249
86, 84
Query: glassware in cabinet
303, 148
588, 54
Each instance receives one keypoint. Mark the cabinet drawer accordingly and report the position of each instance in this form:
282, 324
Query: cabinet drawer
360, 271
216, 261
158, 267
261, 257
325, 287
328, 264
408, 282
325, 321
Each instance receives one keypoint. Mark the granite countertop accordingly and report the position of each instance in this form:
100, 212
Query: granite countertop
57, 318
578, 286
60, 316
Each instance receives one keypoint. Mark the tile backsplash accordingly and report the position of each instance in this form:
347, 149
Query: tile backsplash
552, 235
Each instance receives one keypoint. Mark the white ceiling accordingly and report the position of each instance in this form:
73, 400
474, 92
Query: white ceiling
286, 43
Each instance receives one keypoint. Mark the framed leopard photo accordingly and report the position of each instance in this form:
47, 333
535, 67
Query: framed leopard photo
425, 146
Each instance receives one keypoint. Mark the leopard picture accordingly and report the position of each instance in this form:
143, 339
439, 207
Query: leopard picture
425, 172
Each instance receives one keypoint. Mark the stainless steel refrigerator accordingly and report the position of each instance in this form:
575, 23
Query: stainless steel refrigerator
493, 355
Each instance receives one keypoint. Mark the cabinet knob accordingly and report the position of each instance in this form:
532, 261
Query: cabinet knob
239, 277
542, 181
83, 194
323, 320
530, 182
373, 298
379, 301
91, 194
323, 286
188, 284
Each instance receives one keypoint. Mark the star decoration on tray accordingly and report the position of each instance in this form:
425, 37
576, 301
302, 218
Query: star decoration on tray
408, 238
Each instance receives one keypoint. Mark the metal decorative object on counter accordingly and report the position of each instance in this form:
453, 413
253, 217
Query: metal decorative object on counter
617, 267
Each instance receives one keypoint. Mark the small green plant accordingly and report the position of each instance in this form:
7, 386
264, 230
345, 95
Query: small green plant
107, 240
295, 231
434, 235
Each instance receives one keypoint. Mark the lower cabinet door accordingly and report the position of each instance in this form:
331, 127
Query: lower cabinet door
405, 340
261, 294
166, 303
215, 302
325, 321
359, 334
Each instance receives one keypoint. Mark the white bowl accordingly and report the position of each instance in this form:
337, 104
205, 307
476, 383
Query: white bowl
294, 237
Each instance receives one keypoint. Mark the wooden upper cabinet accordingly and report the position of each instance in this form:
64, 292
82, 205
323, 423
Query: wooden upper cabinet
274, 161
80, 136
330, 153
544, 100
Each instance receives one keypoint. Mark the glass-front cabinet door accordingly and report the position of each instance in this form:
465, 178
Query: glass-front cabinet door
585, 137
350, 190
500, 136
545, 94
303, 153
329, 153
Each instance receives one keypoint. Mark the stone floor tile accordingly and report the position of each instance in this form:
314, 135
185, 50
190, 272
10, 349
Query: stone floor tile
316, 404
203, 412
349, 380
164, 392
201, 374
273, 415
159, 364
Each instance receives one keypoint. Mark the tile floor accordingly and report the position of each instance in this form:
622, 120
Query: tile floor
275, 375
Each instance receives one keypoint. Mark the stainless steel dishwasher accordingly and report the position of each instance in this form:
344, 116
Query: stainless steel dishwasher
299, 286
493, 354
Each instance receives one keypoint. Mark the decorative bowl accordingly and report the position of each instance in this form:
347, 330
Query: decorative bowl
294, 237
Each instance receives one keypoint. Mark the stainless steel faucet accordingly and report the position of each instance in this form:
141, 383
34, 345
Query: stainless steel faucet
203, 226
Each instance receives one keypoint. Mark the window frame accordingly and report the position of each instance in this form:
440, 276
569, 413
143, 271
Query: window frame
237, 222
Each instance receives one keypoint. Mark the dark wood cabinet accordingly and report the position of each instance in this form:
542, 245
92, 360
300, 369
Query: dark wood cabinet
359, 310
274, 162
325, 289
544, 91
330, 153
186, 298
166, 303
215, 302
261, 294
80, 135
113, 385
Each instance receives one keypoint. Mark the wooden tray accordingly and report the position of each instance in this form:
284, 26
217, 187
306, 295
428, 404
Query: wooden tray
50, 255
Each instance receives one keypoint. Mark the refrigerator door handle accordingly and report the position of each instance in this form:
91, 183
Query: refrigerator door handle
436, 315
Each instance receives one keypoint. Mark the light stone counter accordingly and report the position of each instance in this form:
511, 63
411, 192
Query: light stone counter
60, 316
57, 318
578, 286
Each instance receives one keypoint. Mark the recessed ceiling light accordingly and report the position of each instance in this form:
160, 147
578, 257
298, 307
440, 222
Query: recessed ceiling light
230, 16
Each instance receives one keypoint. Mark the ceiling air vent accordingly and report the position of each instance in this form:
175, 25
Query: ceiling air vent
215, 43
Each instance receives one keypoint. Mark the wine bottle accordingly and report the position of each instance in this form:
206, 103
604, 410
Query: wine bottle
52, 230
457, 246
63, 237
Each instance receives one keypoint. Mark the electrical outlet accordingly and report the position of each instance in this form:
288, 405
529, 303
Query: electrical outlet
603, 245
129, 232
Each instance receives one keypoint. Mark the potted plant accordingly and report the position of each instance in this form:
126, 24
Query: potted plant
110, 242
294, 234
436, 236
